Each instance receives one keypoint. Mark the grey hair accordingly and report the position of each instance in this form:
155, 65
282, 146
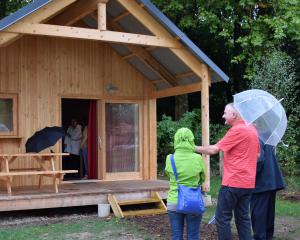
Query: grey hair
234, 109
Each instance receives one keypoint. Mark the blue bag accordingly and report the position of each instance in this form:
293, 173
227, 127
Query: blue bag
190, 199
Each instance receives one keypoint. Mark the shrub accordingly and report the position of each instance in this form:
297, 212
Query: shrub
166, 129
276, 74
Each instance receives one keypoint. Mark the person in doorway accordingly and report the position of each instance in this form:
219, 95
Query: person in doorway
241, 149
83, 147
191, 172
73, 138
269, 180
72, 146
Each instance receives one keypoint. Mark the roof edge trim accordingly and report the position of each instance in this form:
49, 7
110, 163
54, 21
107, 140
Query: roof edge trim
22, 12
166, 22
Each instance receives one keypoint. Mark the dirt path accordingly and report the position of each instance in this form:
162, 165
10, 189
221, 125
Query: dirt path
287, 228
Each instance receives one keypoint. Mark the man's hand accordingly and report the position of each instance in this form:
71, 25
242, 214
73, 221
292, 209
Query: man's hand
205, 187
207, 150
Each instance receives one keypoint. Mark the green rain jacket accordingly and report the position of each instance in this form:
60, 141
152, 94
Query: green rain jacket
189, 165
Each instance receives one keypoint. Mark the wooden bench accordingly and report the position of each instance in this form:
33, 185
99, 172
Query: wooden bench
7, 174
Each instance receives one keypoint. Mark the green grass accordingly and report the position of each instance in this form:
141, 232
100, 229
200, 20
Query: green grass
92, 229
287, 208
215, 183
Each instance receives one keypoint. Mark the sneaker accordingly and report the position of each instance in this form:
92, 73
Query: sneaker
85, 177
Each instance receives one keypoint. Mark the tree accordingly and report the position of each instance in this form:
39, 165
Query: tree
237, 33
275, 73
9, 6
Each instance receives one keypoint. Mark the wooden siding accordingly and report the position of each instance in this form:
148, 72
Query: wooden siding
42, 70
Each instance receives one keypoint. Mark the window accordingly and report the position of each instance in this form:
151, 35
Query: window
122, 137
8, 115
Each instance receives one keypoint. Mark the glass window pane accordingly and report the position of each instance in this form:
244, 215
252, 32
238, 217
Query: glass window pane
6, 115
122, 137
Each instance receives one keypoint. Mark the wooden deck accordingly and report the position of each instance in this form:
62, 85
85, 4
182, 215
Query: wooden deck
81, 193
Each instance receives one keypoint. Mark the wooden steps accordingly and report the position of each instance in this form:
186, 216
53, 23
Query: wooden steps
149, 206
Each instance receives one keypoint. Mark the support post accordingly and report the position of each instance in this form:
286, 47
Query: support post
205, 119
102, 15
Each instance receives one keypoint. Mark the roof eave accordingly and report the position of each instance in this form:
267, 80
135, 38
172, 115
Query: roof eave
22, 12
172, 28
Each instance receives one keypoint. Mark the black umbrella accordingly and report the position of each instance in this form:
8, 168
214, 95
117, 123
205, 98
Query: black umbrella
44, 138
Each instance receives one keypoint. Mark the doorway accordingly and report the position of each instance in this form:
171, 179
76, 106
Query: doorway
79, 118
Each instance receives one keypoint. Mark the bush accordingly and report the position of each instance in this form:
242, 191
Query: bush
276, 74
166, 129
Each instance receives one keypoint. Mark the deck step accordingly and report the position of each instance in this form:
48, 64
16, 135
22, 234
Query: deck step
150, 206
139, 201
143, 212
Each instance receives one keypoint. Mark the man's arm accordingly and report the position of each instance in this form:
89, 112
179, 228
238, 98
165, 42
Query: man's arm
208, 150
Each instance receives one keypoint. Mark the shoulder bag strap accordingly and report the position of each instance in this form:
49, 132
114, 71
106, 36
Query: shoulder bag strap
174, 167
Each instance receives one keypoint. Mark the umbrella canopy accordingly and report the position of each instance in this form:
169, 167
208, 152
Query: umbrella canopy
44, 138
264, 111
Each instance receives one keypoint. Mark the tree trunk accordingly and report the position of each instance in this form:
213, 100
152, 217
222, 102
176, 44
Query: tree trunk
181, 105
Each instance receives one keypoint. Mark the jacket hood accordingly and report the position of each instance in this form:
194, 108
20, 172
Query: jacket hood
184, 139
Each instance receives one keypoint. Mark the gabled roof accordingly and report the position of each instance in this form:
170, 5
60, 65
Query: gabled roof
171, 64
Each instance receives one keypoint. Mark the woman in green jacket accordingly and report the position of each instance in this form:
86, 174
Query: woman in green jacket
191, 173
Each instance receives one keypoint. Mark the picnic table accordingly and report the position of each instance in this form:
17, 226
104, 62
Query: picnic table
46, 168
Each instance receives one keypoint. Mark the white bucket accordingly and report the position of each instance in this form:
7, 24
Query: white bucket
103, 210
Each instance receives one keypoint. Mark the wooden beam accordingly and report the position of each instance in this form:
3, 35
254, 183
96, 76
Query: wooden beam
152, 133
75, 12
183, 75
148, 60
116, 19
91, 34
152, 63
150, 48
158, 81
179, 90
41, 15
124, 14
205, 121
157, 29
102, 15
128, 56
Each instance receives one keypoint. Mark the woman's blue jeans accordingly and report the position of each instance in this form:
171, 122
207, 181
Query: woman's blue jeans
177, 225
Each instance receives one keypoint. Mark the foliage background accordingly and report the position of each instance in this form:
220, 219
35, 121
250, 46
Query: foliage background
257, 44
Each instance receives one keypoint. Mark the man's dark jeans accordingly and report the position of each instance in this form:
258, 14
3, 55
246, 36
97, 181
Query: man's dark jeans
236, 200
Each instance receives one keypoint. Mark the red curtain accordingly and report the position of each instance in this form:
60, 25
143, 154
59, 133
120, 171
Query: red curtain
92, 140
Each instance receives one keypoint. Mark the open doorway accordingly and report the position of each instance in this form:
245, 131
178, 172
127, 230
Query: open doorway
79, 118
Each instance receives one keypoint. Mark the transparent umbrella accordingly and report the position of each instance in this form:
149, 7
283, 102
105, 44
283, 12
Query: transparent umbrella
264, 111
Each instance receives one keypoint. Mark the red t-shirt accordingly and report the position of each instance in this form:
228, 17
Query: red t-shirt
241, 148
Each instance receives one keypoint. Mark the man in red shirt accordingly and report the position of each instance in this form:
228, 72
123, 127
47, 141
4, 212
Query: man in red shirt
241, 149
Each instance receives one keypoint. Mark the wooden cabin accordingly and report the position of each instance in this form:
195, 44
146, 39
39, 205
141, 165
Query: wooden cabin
107, 61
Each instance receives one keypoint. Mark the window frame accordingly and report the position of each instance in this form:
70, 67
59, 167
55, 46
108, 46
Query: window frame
14, 98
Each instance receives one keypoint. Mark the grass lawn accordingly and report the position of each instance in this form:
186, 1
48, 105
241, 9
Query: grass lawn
112, 229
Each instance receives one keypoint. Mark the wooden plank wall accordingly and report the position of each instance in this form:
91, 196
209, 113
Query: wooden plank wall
42, 70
